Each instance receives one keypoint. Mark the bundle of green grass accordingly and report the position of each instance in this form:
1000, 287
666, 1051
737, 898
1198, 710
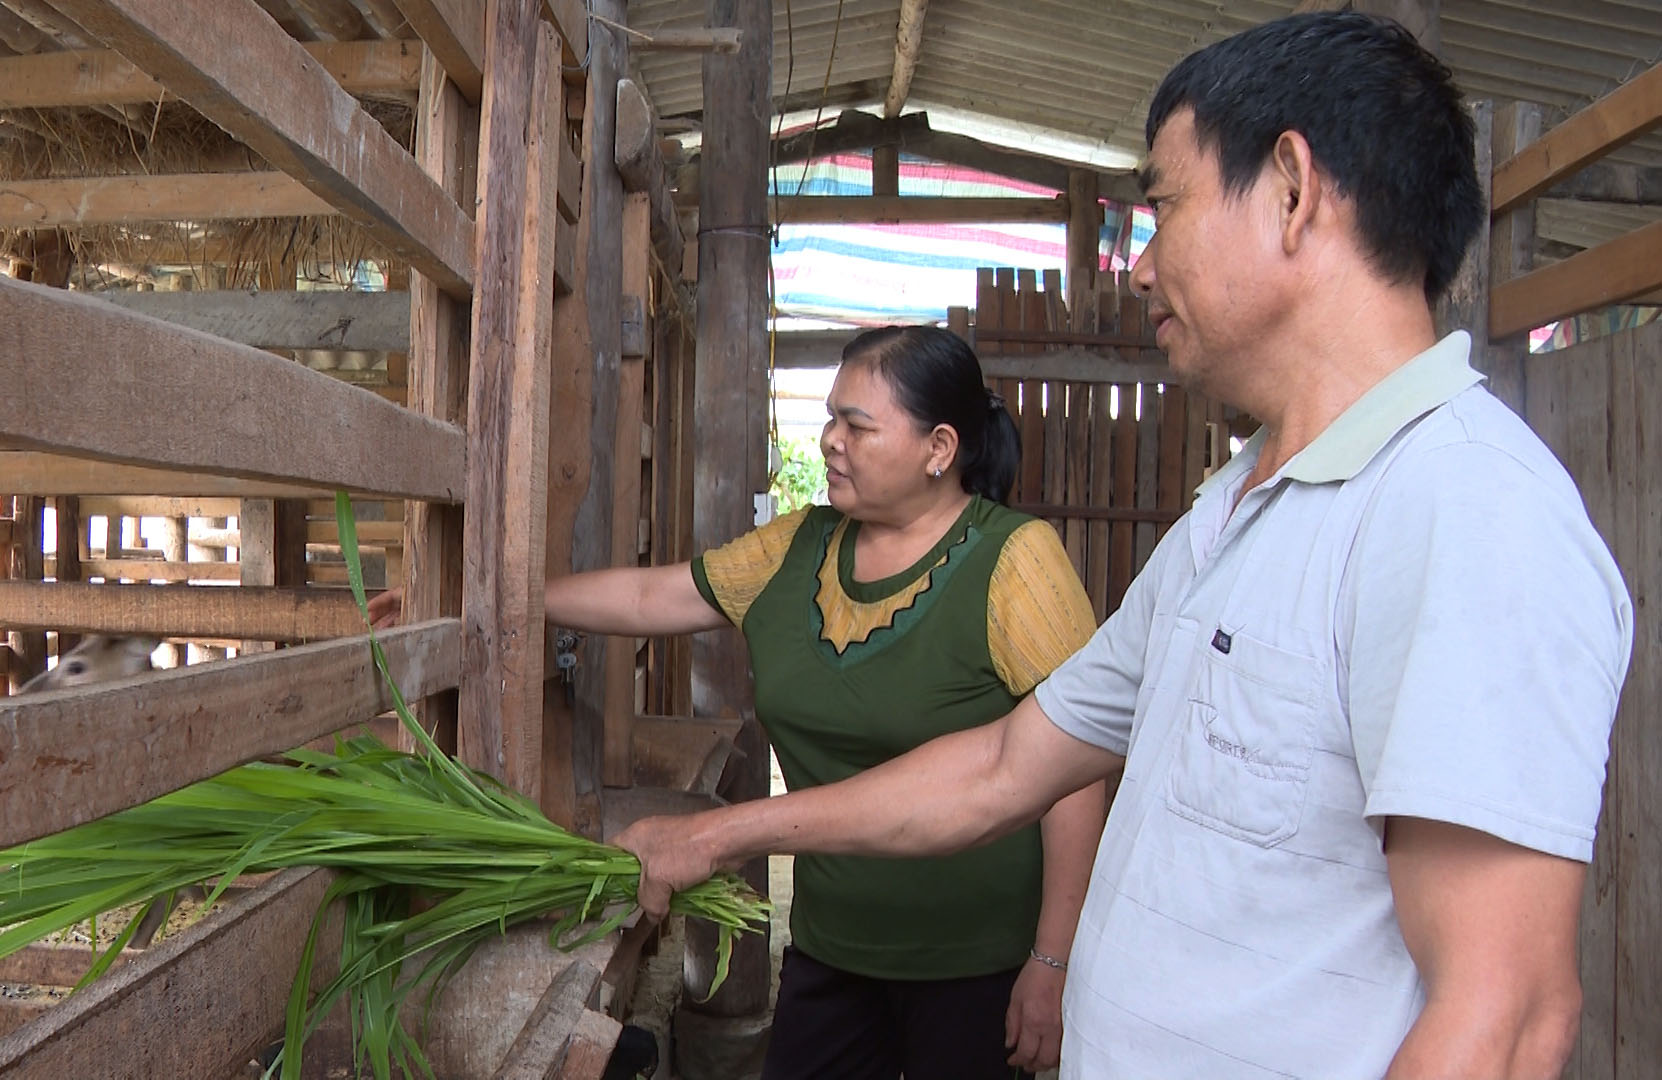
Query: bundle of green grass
432, 859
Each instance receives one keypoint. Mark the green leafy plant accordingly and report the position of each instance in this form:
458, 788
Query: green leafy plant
801, 475
432, 859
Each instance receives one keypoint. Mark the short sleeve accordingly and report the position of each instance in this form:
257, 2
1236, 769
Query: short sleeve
1093, 694
1037, 612
732, 576
1484, 633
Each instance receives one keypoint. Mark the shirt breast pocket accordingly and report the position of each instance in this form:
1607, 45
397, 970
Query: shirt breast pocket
1246, 739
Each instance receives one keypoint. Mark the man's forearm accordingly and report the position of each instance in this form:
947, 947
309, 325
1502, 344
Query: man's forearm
1459, 1038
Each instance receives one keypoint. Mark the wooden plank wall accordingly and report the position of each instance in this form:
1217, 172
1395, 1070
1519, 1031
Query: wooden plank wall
1111, 465
1599, 406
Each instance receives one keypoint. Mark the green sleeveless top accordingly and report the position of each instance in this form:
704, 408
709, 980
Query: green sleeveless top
850, 674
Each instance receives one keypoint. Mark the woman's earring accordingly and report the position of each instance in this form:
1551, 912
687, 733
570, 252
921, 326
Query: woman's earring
937, 472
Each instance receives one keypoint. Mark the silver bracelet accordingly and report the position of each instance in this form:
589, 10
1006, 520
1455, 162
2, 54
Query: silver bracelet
1048, 961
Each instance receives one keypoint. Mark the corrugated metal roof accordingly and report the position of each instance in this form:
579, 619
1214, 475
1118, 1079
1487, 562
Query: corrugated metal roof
1089, 66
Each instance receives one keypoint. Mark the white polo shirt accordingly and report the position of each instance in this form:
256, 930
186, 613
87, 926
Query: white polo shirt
1413, 617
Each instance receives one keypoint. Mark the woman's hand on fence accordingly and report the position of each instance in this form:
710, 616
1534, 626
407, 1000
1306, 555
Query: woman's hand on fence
385, 608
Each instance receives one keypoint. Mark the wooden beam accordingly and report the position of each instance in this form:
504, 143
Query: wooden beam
908, 44
87, 379
914, 210
117, 200
641, 164
189, 1006
1614, 120
87, 77
1611, 182
541, 1044
455, 32
72, 755
1616, 270
30, 472
571, 23
293, 114
181, 611
282, 319
707, 39
500, 708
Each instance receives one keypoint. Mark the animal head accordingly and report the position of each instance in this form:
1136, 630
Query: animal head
97, 658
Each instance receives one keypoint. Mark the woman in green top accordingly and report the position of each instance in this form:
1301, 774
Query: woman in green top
916, 604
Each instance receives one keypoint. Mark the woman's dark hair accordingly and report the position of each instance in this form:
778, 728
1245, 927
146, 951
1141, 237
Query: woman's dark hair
937, 379
1382, 116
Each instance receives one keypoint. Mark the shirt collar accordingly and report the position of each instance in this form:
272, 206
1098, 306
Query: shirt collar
1346, 446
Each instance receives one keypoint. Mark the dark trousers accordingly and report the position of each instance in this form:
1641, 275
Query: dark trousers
833, 1025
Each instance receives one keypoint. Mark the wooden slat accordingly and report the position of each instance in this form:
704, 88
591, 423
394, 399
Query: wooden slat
198, 1004
111, 484
1148, 471
283, 319
1174, 417
86, 77
117, 200
69, 389
1097, 534
455, 32
1056, 410
1608, 123
370, 533
184, 611
1616, 270
74, 756
290, 112
915, 210
1031, 312
152, 570
1007, 312
499, 723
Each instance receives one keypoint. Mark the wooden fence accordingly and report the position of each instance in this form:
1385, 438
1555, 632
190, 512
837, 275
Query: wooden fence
1113, 446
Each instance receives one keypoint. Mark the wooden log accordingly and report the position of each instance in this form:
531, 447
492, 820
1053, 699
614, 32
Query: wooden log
68, 392
290, 112
1607, 124
454, 32
188, 1007
119, 200
541, 1046
499, 724
732, 352
913, 210
1616, 270
83, 78
641, 164
339, 321
73, 761
184, 611
908, 44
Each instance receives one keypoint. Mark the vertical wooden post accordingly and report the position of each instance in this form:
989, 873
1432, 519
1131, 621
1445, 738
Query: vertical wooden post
500, 718
1084, 263
447, 147
885, 169
732, 352
66, 512
582, 442
626, 491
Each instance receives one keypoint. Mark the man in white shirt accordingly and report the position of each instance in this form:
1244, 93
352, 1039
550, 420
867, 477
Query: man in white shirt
1362, 692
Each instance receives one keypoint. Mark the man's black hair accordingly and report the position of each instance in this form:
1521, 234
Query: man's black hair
1381, 114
